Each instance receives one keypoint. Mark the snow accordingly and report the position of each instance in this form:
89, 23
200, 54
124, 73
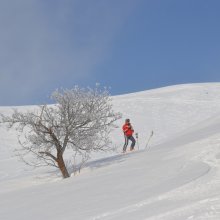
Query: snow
176, 178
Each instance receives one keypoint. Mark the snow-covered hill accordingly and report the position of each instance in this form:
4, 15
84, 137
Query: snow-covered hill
177, 178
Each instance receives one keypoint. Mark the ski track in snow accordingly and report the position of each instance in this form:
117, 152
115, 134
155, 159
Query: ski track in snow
129, 212
190, 195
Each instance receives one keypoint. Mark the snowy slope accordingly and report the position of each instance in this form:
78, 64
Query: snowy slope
177, 178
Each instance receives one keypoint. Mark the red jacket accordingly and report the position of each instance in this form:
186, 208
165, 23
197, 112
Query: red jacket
128, 129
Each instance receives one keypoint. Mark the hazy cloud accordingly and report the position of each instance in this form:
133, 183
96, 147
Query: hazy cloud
45, 43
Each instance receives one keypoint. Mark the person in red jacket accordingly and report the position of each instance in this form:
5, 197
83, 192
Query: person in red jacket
128, 132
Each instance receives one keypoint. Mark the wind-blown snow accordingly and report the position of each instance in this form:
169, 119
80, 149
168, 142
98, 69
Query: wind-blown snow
176, 178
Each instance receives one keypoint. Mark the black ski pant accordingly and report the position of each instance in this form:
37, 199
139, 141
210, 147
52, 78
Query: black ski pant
127, 138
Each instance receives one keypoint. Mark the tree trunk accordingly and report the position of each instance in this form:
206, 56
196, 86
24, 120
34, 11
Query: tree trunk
62, 166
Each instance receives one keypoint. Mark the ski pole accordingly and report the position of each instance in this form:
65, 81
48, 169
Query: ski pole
151, 135
136, 135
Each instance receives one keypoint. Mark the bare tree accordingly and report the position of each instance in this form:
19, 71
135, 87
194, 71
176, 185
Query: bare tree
81, 120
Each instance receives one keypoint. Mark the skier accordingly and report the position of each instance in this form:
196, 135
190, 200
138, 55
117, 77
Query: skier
128, 132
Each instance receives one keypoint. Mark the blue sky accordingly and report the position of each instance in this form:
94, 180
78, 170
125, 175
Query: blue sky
128, 45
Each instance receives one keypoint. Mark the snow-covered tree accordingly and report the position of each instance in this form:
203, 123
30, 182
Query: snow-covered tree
81, 120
